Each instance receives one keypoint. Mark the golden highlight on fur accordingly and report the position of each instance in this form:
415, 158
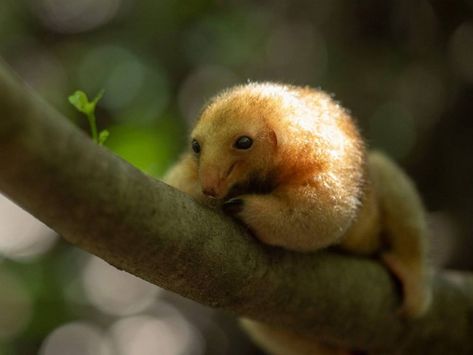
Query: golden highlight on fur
303, 180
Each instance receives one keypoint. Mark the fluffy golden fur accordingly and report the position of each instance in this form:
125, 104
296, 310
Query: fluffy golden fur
305, 183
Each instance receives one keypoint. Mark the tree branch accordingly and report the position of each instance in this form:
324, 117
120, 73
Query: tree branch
103, 205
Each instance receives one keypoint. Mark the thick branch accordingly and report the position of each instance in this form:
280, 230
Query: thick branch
103, 205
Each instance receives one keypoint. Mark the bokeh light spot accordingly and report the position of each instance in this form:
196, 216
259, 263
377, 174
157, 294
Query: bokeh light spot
147, 335
133, 91
78, 338
75, 16
22, 237
114, 69
116, 292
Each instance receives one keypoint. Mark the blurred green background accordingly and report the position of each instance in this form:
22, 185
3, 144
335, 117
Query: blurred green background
404, 69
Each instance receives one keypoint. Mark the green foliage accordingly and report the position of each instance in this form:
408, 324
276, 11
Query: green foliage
150, 149
81, 102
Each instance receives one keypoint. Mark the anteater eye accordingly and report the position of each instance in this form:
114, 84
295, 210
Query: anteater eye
243, 142
195, 146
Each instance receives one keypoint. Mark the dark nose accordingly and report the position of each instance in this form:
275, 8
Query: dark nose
210, 192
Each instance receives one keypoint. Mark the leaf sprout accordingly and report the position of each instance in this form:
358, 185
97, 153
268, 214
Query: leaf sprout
80, 101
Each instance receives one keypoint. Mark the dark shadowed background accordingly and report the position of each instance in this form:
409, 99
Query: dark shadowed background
403, 68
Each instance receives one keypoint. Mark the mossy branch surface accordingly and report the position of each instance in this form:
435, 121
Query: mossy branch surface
103, 205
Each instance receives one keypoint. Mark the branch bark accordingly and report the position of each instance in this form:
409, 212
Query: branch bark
103, 205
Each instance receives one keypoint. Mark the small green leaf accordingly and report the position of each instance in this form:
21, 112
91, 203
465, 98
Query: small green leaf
103, 135
80, 101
